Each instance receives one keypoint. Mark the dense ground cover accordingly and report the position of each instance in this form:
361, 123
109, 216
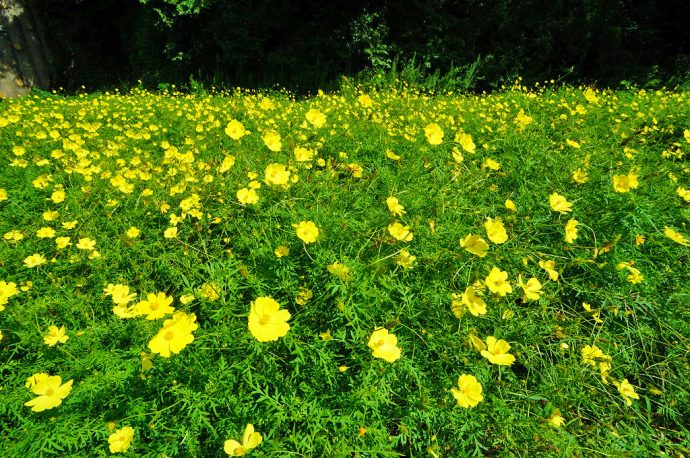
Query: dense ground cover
146, 239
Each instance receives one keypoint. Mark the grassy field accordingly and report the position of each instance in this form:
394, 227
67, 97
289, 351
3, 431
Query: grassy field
359, 274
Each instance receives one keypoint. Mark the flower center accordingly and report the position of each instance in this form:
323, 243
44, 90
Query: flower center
50, 392
169, 335
264, 319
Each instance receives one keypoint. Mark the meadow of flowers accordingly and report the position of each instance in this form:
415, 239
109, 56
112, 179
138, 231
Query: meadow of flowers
363, 273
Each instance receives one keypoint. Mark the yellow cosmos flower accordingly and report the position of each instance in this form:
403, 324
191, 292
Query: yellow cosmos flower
496, 231
86, 244
235, 130
226, 164
3, 194
391, 155
121, 439
475, 245
497, 282
316, 118
549, 267
277, 175
307, 231
45, 233
34, 260
304, 154
627, 391
365, 100
384, 345
624, 183
405, 259
579, 176
247, 196
510, 205
50, 390
119, 293
395, 207
281, 251
175, 334
400, 232
469, 391
267, 321
250, 439
7, 290
465, 141
491, 164
571, 230
155, 306
676, 236
683, 193
339, 270
497, 352
531, 289
434, 134
55, 335
170, 233
132, 232
556, 419
560, 204
686, 134
469, 300
272, 141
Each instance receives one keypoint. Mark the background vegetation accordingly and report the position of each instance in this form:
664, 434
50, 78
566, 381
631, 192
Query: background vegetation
305, 45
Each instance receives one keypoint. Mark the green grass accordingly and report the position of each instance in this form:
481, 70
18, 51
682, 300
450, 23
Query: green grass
310, 396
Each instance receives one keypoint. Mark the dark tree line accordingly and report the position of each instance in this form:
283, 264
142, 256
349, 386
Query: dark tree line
306, 44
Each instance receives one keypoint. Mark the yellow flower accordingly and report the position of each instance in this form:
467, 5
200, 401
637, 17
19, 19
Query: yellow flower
13, 236
531, 289
497, 352
556, 419
496, 231
45, 233
247, 196
7, 290
497, 282
316, 118
469, 391
3, 194
277, 175
491, 164
579, 176
170, 233
155, 306
365, 100
132, 232
522, 120
86, 244
624, 183
175, 334
304, 154
676, 236
627, 391
55, 335
34, 260
560, 204
683, 193
465, 140
50, 390
250, 440
405, 259
267, 321
339, 270
434, 134
391, 155
58, 196
119, 293
475, 245
510, 205
571, 230
549, 267
686, 134
281, 251
272, 140
210, 291
469, 299
226, 164
591, 355
384, 345
235, 130
400, 232
395, 207
640, 239
572, 143
307, 231
120, 440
